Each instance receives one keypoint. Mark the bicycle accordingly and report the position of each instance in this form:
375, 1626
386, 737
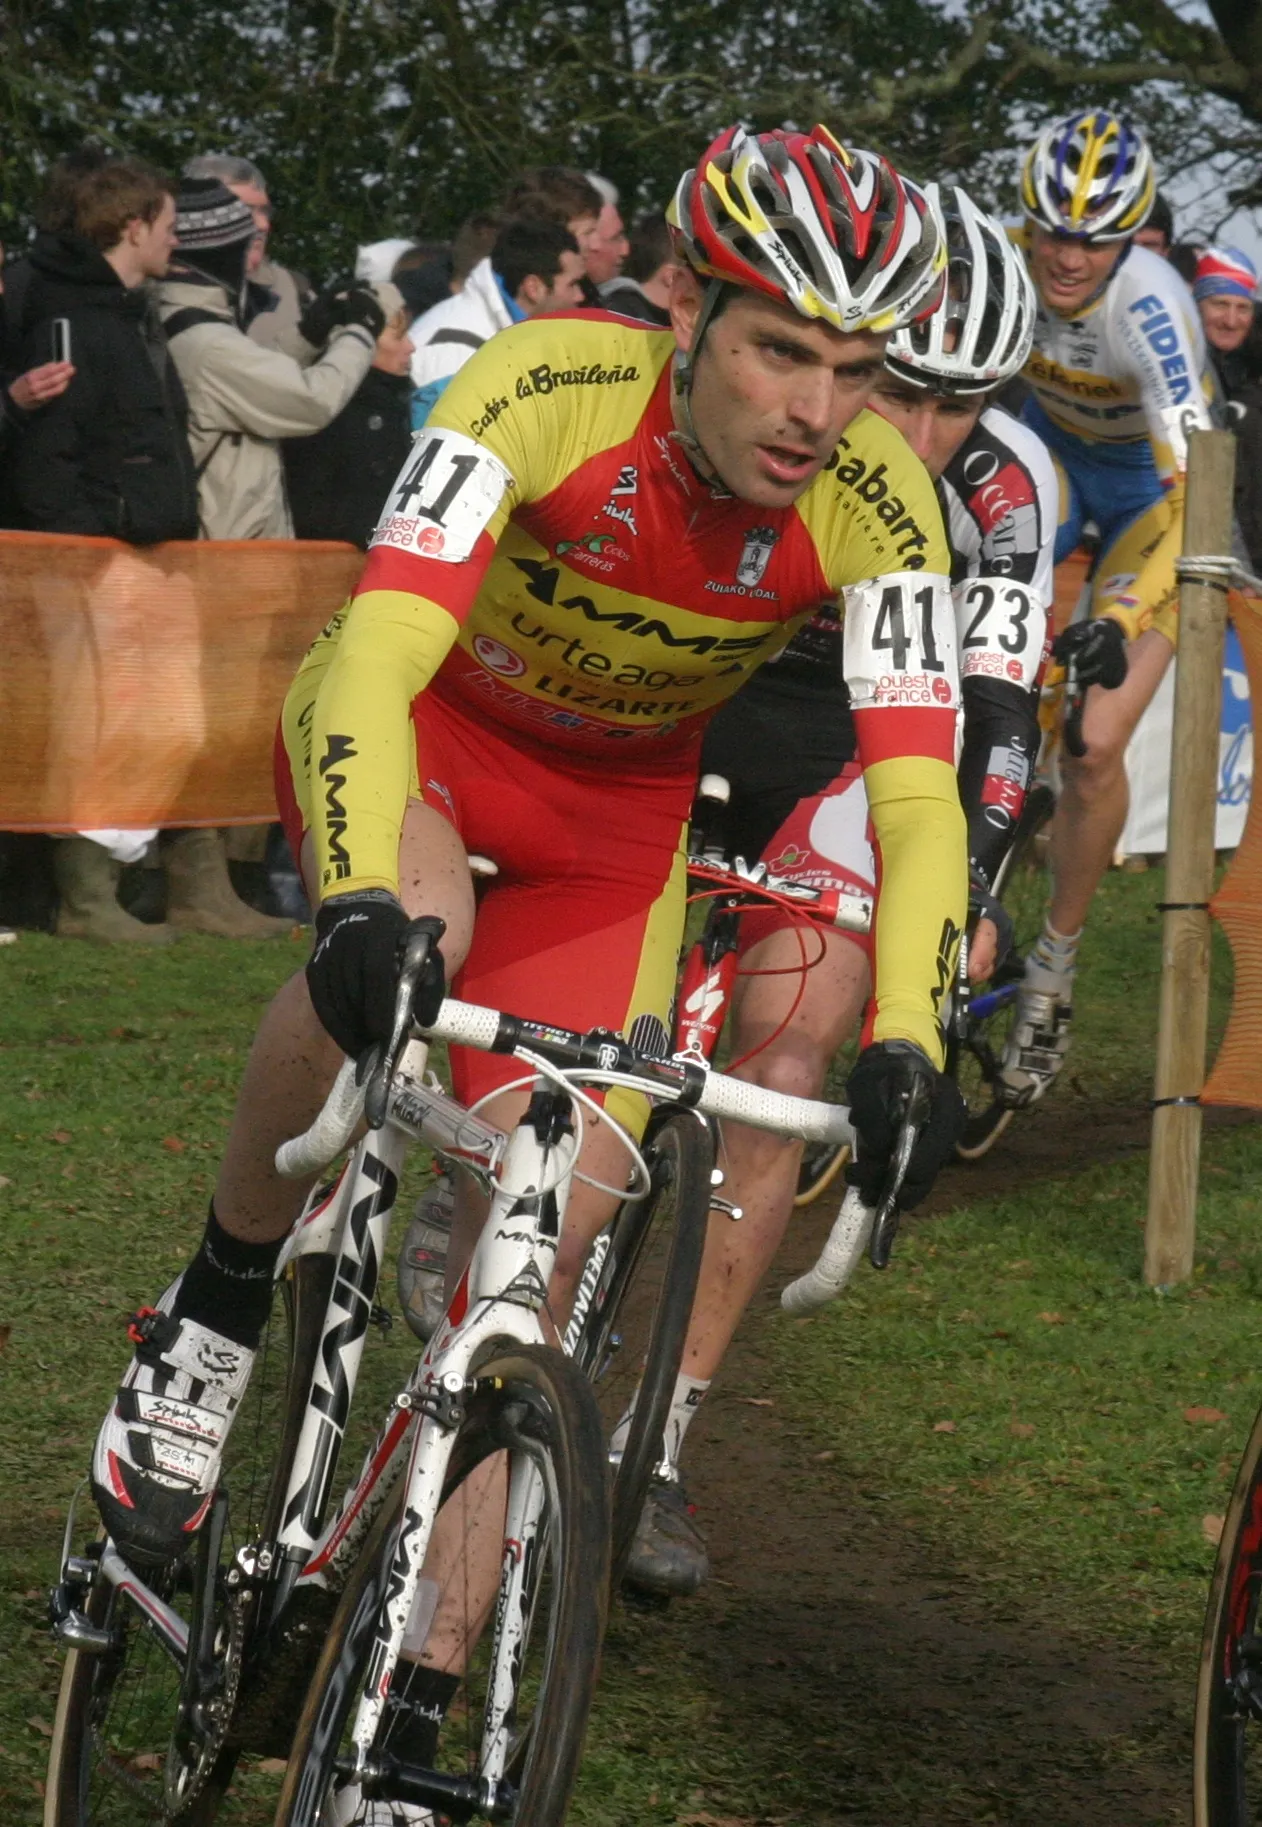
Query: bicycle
1227, 1726
170, 1682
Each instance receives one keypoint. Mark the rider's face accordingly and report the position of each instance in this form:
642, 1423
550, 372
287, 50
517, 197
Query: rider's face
934, 424
1067, 271
772, 392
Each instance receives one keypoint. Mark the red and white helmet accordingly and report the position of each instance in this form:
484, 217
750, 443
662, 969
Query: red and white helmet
837, 234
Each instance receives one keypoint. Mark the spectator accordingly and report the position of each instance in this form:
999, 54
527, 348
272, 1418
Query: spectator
25, 394
1158, 231
559, 193
110, 456
474, 240
1225, 290
1183, 257
608, 247
534, 266
278, 295
244, 398
375, 261
339, 479
424, 275
642, 289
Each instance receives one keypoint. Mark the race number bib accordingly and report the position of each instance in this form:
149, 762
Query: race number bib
899, 643
1001, 628
446, 494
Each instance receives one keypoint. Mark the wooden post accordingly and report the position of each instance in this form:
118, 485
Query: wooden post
1170, 1234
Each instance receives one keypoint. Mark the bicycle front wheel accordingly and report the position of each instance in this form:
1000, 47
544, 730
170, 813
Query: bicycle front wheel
632, 1340
521, 1715
975, 1060
1227, 1736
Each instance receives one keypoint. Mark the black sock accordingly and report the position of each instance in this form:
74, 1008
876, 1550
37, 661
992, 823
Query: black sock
416, 1707
228, 1285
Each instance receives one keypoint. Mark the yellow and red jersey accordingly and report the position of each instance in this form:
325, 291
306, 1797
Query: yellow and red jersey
550, 563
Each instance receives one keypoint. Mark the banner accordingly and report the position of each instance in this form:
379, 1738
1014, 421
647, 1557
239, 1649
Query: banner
141, 686
1148, 760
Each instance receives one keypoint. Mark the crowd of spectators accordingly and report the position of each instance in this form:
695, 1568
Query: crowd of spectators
163, 377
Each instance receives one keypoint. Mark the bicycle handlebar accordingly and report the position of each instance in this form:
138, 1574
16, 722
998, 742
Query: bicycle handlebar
1075, 704
682, 1081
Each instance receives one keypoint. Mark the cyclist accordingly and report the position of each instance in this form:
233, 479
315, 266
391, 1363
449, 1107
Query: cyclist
1119, 377
601, 531
786, 748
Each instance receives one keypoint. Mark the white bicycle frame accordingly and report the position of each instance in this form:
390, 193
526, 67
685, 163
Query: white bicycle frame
499, 1297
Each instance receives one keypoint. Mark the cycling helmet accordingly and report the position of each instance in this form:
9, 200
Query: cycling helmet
981, 333
836, 234
1091, 176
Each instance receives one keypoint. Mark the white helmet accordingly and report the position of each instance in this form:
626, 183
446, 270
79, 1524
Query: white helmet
1090, 176
833, 232
981, 333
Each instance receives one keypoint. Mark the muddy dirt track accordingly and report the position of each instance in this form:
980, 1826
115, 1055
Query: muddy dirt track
849, 1647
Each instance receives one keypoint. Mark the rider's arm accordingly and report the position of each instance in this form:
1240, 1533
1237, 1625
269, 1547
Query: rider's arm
905, 721
878, 527
1157, 333
429, 554
1004, 502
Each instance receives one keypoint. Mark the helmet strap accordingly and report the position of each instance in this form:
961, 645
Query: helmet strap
684, 374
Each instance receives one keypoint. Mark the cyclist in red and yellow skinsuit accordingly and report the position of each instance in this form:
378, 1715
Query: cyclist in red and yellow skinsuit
600, 533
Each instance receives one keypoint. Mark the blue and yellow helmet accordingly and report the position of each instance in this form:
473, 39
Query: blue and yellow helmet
1091, 176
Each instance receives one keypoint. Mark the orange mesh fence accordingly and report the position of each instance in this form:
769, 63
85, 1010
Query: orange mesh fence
142, 687
1237, 1074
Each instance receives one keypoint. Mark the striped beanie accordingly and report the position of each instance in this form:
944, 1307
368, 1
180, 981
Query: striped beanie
208, 215
1224, 272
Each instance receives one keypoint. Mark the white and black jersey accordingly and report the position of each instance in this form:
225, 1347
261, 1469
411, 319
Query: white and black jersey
789, 732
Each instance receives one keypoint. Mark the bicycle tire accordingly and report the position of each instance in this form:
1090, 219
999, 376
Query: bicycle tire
632, 1341
1227, 1726
93, 1781
821, 1163
570, 1582
975, 1058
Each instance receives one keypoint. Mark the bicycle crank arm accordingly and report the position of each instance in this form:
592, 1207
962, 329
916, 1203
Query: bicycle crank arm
458, 1797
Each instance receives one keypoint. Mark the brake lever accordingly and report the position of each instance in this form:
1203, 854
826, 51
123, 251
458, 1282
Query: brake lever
1075, 703
886, 1217
423, 936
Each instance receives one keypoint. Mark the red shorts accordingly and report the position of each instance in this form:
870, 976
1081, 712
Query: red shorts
825, 842
582, 925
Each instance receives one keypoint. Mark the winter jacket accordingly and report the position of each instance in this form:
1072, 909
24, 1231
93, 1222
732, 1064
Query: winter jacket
339, 479
281, 296
446, 336
243, 399
111, 455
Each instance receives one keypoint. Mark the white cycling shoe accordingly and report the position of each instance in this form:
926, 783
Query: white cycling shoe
157, 1457
1035, 1050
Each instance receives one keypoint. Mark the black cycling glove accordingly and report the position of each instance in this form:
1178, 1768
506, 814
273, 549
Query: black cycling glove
1098, 650
877, 1088
353, 972
338, 306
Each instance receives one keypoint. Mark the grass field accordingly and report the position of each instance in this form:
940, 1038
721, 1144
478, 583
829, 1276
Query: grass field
1009, 1389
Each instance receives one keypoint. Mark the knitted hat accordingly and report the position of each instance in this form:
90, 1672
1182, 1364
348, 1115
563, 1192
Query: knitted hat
208, 214
1224, 272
